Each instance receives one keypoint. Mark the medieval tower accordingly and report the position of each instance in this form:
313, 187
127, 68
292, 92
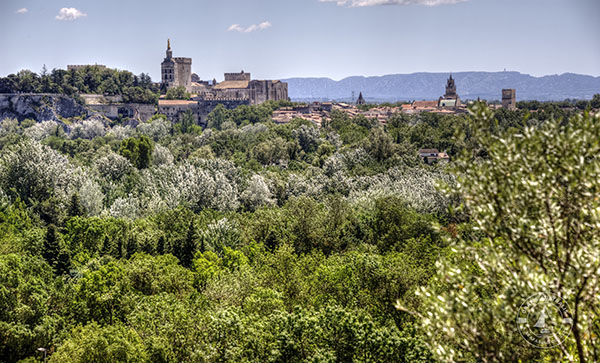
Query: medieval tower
509, 99
450, 98
177, 71
450, 88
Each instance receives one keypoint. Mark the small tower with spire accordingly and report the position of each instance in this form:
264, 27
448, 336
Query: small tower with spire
450, 99
167, 67
360, 100
450, 88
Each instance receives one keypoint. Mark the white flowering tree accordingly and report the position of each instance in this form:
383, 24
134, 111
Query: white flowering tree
121, 132
41, 130
257, 193
416, 186
161, 155
113, 166
220, 234
88, 129
308, 137
35, 172
196, 184
9, 126
157, 129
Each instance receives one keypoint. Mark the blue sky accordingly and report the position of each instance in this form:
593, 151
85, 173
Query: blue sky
301, 38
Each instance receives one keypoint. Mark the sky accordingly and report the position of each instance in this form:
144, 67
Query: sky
276, 39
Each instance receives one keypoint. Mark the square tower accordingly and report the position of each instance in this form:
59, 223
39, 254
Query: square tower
177, 71
509, 99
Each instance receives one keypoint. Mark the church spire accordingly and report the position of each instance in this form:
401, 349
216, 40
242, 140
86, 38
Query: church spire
361, 100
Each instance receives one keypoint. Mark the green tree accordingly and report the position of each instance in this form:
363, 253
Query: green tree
131, 247
380, 144
75, 209
160, 245
534, 202
100, 294
152, 275
29, 316
51, 246
186, 122
96, 343
595, 102
188, 249
106, 247
177, 93
138, 150
217, 117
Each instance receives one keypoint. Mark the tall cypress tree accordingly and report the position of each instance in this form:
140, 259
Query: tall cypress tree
120, 247
147, 246
63, 262
51, 246
131, 247
160, 246
188, 249
75, 207
106, 246
57, 257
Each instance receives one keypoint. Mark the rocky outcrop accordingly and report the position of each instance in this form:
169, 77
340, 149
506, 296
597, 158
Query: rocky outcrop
39, 107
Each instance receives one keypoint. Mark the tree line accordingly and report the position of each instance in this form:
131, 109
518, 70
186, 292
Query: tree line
89, 79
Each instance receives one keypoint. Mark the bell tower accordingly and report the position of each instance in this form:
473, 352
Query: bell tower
167, 67
450, 88
176, 71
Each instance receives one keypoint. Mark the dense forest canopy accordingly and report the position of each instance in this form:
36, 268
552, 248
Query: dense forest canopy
252, 241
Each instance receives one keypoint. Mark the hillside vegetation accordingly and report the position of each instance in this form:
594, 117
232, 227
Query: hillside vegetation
248, 241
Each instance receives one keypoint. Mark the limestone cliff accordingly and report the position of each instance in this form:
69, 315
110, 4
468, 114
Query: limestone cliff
39, 107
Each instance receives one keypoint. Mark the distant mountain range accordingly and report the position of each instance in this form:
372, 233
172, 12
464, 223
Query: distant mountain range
430, 86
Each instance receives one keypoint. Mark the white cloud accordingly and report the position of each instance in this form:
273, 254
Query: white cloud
362, 3
262, 26
69, 14
22, 11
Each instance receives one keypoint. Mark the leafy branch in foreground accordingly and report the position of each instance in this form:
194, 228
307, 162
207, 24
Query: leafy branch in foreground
533, 199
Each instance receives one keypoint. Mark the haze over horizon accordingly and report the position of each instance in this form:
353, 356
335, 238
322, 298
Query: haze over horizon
306, 38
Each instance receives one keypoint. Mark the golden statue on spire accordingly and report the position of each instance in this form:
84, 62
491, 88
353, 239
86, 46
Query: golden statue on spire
168, 44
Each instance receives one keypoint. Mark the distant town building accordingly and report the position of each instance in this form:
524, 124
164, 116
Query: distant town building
314, 112
426, 105
173, 109
449, 103
360, 100
430, 156
237, 89
509, 99
77, 67
450, 98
